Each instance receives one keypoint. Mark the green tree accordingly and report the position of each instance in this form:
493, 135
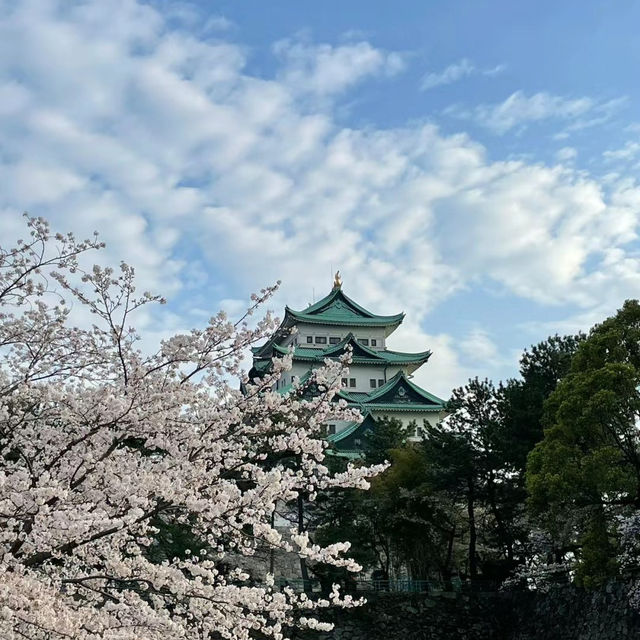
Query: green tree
398, 527
388, 435
464, 485
521, 401
464, 459
586, 470
412, 522
521, 404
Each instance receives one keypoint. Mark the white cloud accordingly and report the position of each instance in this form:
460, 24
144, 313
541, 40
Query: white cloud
566, 154
601, 113
478, 347
449, 75
325, 69
629, 152
520, 110
444, 370
217, 23
456, 71
215, 182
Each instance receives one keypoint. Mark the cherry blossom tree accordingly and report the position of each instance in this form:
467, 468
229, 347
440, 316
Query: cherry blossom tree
101, 443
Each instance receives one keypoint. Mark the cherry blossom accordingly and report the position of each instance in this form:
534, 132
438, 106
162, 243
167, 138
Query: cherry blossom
102, 444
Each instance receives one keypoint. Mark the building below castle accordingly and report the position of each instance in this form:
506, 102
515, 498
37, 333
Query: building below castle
379, 380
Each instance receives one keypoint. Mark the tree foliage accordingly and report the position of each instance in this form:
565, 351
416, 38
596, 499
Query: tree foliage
455, 504
464, 456
586, 470
522, 400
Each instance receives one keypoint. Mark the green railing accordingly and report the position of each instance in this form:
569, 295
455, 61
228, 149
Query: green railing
363, 585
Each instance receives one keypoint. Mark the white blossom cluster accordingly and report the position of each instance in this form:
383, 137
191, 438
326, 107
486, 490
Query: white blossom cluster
629, 532
100, 442
542, 568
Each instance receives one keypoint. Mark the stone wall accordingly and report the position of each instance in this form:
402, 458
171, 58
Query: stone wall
572, 613
565, 613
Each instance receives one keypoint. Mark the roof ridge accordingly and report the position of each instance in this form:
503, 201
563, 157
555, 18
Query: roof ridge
389, 384
425, 393
392, 382
355, 320
350, 338
329, 300
427, 352
350, 428
318, 305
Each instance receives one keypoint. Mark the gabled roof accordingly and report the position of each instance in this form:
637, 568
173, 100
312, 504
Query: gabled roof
338, 309
347, 431
368, 422
335, 309
345, 443
361, 354
398, 394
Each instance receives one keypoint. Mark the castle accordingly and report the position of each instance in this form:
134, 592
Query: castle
379, 380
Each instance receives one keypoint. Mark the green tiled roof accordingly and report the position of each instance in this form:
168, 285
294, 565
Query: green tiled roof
361, 353
345, 442
348, 430
335, 309
351, 455
262, 366
367, 422
414, 407
338, 309
398, 394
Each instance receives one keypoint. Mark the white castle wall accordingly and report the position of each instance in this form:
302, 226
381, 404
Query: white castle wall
406, 417
328, 331
363, 374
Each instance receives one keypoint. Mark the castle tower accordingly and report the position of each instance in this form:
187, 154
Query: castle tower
379, 380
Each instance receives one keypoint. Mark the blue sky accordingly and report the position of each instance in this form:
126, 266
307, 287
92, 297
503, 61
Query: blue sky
472, 163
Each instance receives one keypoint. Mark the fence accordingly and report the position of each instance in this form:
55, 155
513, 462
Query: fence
362, 585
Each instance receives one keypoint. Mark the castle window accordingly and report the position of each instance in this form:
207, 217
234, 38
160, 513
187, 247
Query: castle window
380, 383
372, 383
321, 340
334, 340
309, 339
352, 382
344, 382
332, 429
374, 342
364, 341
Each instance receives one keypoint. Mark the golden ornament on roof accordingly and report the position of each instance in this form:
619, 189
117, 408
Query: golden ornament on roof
337, 281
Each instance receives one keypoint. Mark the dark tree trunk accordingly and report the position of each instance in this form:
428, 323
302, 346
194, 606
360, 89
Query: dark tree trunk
502, 530
272, 558
447, 564
473, 563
